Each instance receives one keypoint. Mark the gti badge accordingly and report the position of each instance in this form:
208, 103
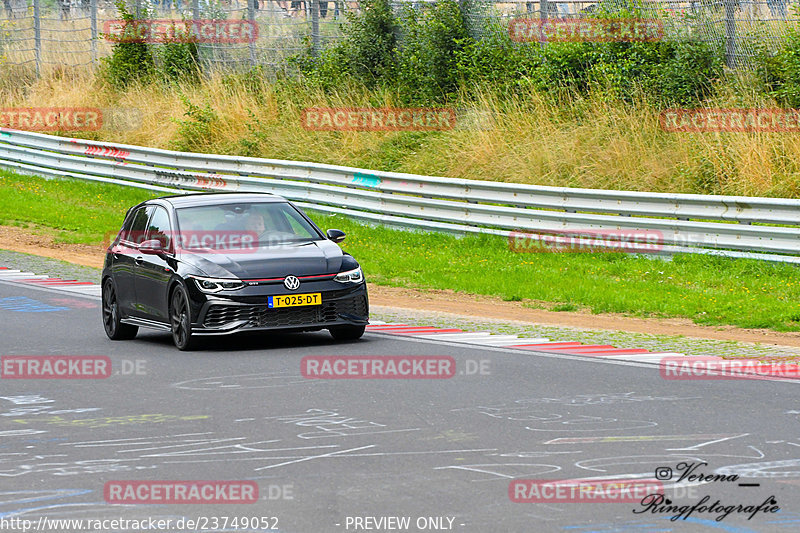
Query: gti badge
291, 283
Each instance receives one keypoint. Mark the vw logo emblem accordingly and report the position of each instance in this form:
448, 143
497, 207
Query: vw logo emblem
291, 283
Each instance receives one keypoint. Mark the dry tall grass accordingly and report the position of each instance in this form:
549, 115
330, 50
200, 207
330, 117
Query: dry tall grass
587, 142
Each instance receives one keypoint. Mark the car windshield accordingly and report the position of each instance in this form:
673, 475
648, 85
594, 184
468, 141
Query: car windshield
253, 223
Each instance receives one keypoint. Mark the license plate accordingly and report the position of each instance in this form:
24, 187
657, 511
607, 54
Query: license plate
295, 300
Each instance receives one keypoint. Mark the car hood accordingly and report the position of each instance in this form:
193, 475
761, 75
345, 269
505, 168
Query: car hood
303, 259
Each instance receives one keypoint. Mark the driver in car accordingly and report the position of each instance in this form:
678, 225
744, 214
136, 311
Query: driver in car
255, 223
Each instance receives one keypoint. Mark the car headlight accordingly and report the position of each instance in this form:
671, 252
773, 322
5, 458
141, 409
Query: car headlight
210, 285
351, 276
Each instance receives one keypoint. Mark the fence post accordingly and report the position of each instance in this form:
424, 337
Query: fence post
251, 14
37, 36
315, 27
544, 7
93, 15
201, 49
730, 33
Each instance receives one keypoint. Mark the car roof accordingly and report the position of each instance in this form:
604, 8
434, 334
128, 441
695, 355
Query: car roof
218, 198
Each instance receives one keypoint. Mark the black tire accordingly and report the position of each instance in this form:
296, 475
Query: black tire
116, 330
347, 333
180, 320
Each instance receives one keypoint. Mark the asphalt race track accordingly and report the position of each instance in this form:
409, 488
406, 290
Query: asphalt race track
335, 455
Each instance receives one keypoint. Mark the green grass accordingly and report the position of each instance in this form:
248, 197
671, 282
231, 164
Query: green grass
79, 212
708, 290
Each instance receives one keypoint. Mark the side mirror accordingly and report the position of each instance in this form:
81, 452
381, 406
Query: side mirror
151, 247
336, 235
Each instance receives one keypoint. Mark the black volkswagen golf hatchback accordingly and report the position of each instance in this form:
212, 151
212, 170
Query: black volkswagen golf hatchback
220, 263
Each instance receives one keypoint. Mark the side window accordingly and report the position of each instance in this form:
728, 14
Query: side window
274, 221
297, 224
298, 228
159, 227
135, 233
126, 228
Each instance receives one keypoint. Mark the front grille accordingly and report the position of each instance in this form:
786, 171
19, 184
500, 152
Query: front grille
261, 316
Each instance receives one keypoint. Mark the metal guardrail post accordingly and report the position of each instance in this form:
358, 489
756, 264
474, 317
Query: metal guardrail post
37, 36
730, 33
93, 22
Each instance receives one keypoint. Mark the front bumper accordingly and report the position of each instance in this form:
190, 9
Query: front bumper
224, 315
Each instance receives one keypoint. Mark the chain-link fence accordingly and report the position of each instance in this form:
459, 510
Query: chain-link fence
42, 34
37, 35
742, 27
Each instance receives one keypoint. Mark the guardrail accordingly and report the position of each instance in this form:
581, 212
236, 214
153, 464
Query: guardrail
764, 228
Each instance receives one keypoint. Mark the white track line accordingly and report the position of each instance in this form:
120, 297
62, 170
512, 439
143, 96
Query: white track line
507, 342
449, 336
22, 275
632, 357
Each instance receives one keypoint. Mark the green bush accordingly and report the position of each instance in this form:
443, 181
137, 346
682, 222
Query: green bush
667, 72
179, 60
372, 41
129, 62
435, 58
434, 39
686, 72
195, 132
496, 62
425, 69
780, 71
365, 55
